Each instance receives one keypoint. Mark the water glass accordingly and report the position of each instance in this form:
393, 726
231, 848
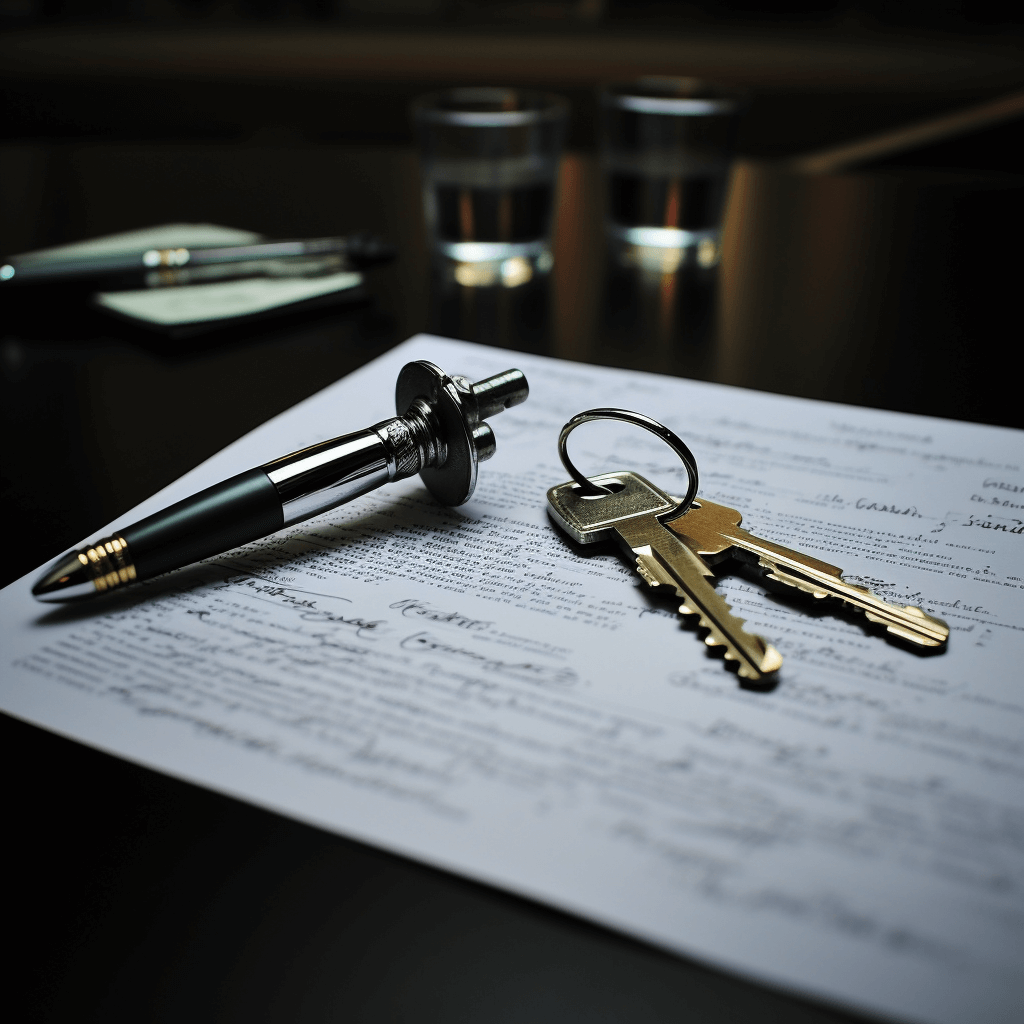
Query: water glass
667, 145
489, 168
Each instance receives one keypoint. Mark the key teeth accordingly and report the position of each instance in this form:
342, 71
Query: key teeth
686, 609
641, 568
770, 660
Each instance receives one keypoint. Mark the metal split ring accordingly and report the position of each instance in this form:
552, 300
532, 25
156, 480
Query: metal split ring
590, 489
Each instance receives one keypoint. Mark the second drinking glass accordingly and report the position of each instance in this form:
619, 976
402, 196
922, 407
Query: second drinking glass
667, 146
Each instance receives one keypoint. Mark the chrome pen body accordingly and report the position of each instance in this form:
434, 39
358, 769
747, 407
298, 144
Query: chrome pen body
440, 434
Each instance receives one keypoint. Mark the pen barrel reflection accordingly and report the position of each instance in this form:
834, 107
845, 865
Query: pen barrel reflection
331, 473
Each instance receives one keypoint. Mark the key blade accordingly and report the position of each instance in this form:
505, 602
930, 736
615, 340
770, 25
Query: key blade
929, 632
662, 560
905, 621
755, 657
714, 530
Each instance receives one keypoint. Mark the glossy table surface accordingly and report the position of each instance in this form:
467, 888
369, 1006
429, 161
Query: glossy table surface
153, 900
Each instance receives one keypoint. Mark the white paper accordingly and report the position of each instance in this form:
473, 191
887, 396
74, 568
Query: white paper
461, 686
220, 300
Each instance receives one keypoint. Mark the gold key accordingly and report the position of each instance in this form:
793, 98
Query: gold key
630, 515
714, 533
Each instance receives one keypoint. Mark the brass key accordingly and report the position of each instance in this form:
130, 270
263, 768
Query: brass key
714, 533
630, 516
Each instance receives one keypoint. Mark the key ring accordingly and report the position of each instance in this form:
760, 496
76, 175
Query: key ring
590, 489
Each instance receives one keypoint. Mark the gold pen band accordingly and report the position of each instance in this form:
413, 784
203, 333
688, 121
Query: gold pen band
109, 563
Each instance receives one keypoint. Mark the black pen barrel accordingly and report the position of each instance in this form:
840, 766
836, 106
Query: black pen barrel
438, 430
233, 512
50, 270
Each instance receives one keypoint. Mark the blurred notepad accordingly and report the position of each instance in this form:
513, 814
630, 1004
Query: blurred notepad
221, 300
207, 303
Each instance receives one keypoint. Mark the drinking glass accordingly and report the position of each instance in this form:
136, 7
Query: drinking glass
489, 168
667, 145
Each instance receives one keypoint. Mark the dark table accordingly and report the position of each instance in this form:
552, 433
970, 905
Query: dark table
138, 897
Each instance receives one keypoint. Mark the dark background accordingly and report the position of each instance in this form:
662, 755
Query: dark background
891, 283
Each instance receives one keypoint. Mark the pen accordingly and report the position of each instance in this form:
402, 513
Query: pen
291, 267
439, 432
359, 250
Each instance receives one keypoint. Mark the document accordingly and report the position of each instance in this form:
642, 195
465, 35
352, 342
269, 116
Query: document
467, 688
222, 300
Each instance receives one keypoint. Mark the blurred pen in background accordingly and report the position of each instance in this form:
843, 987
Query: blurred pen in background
285, 266
301, 257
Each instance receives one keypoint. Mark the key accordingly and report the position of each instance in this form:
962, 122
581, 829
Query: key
629, 515
714, 533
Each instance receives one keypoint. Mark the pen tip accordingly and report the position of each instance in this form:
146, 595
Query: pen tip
66, 580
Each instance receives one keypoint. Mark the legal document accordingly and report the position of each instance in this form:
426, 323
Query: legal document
466, 687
